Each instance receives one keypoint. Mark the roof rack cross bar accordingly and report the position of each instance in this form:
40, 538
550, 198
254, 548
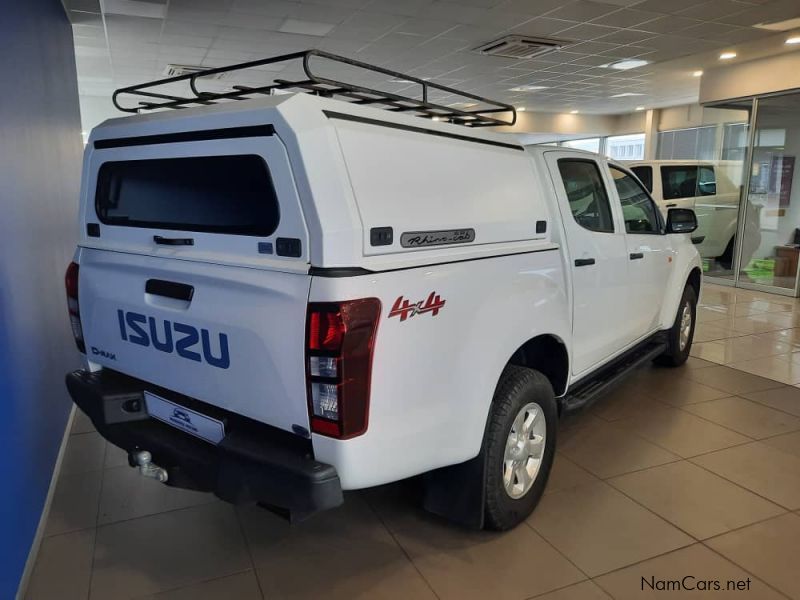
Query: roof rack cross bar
488, 114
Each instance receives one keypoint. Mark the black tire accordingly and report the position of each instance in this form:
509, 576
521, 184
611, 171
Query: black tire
517, 388
726, 260
675, 356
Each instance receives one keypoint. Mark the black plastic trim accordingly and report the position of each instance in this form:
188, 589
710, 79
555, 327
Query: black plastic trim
187, 136
446, 134
253, 463
584, 262
169, 289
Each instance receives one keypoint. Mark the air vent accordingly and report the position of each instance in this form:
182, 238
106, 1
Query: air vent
519, 46
178, 70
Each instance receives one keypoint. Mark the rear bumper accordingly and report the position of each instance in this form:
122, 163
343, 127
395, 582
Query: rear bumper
253, 463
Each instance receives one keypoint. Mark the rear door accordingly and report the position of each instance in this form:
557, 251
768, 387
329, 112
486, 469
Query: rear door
597, 258
194, 272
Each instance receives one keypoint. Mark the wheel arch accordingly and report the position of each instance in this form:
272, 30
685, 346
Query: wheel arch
694, 279
547, 353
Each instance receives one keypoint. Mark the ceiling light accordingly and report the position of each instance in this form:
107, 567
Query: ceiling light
573, 112
527, 88
626, 94
727, 55
793, 40
697, 74
436, 119
520, 109
780, 25
463, 104
631, 63
640, 108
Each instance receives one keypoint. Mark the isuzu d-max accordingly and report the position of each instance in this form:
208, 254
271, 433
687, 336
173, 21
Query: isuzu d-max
289, 296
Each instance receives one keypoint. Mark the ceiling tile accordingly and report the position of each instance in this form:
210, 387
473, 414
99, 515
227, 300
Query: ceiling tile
626, 36
668, 24
306, 27
660, 6
586, 32
543, 26
582, 10
626, 18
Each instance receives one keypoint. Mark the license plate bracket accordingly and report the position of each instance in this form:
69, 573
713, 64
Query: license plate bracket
185, 419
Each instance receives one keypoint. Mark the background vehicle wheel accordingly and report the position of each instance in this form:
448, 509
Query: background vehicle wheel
519, 446
726, 260
680, 336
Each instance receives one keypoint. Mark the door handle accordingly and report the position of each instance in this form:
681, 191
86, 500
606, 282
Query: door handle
636, 255
673, 205
169, 289
163, 241
584, 262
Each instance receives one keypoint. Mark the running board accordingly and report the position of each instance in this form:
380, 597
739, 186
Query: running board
587, 391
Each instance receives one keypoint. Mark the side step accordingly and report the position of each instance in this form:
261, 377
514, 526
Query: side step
597, 384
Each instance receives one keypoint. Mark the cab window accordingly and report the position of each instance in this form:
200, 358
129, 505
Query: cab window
586, 194
638, 209
645, 175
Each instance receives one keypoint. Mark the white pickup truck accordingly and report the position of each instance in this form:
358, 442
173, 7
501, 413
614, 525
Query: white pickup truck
289, 296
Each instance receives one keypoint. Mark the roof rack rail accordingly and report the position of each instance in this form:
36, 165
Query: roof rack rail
488, 113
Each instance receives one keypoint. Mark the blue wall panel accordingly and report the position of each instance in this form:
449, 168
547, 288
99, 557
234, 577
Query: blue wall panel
40, 156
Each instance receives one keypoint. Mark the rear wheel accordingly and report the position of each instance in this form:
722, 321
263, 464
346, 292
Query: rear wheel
519, 446
681, 334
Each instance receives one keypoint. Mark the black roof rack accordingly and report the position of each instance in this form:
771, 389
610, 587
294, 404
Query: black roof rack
484, 113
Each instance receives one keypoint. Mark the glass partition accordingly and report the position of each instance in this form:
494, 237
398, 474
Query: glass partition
771, 236
625, 147
588, 144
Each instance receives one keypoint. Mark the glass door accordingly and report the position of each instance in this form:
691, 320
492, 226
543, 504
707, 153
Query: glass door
720, 178
770, 248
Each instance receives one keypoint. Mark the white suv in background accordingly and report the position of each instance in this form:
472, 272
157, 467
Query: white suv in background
710, 188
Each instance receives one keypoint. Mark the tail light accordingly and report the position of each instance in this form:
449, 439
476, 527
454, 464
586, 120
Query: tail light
340, 340
71, 283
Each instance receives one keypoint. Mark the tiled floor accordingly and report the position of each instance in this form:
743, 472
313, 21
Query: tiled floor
688, 472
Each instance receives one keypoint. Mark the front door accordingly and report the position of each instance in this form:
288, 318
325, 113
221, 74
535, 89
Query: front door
649, 254
597, 257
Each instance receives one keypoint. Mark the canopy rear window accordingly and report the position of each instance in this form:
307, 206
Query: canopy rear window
214, 194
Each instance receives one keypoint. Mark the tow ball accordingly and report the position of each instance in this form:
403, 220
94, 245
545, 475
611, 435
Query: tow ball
147, 468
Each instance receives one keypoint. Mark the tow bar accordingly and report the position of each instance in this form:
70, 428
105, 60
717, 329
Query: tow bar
147, 468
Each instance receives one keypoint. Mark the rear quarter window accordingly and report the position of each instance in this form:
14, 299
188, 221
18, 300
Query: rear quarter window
214, 194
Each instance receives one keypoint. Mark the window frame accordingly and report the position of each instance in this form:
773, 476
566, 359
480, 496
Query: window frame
662, 227
604, 183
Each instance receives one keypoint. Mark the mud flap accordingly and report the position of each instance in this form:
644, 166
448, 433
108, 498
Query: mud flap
457, 492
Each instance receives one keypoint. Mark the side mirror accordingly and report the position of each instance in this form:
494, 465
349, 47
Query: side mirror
681, 220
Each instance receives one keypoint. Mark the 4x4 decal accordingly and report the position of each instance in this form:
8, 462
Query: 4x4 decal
404, 309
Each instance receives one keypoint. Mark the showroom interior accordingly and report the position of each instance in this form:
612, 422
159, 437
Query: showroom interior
686, 475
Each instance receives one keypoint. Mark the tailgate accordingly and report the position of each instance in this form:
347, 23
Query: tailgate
194, 268
236, 343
